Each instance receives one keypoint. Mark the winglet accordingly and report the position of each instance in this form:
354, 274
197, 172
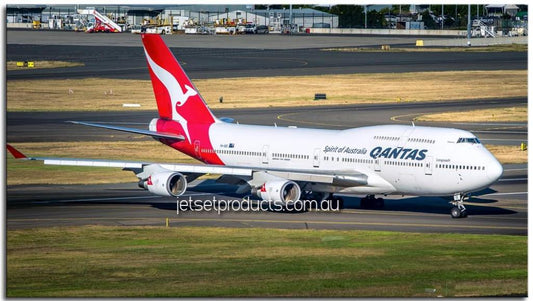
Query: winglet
16, 153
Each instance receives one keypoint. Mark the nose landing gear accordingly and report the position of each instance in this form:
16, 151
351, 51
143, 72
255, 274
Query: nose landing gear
459, 209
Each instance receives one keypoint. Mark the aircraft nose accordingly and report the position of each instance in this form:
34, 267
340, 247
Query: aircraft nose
494, 170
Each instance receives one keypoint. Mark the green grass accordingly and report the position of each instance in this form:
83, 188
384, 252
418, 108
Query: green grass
97, 261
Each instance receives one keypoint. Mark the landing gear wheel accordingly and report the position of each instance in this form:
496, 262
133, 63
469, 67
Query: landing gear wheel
456, 212
459, 209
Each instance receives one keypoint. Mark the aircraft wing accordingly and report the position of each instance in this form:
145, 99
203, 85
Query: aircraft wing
185, 168
301, 176
132, 130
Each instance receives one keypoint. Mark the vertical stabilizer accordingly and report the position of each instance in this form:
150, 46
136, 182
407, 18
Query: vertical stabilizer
176, 96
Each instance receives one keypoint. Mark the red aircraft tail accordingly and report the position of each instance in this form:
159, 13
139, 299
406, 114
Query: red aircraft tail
176, 96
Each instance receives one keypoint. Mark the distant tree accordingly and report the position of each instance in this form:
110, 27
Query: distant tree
298, 6
375, 19
267, 6
326, 9
428, 21
350, 16
396, 9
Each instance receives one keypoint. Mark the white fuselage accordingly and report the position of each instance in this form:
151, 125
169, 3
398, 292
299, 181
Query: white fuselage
397, 159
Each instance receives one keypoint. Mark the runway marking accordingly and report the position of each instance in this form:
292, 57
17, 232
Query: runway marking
517, 179
135, 206
355, 211
180, 220
495, 139
513, 125
506, 193
86, 218
395, 118
357, 223
497, 206
98, 199
499, 132
515, 169
499, 217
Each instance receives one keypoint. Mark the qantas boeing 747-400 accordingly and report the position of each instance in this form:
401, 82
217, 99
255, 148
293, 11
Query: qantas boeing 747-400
285, 164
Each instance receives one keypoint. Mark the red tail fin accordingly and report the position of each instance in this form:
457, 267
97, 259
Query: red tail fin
176, 96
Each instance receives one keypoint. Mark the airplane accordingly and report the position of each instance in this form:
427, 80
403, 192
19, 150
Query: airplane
286, 164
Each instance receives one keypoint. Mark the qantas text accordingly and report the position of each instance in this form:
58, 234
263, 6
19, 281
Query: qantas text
398, 153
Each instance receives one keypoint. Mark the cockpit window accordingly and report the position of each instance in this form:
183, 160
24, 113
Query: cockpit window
468, 140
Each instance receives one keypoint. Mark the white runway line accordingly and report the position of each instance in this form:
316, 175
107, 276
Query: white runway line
100, 199
518, 179
506, 193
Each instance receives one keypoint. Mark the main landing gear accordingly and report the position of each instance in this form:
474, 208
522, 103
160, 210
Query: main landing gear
370, 202
459, 209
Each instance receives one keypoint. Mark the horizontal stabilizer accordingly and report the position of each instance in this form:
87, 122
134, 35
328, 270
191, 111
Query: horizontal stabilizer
132, 130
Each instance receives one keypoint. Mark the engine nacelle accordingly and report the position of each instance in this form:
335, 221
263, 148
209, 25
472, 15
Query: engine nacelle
166, 183
280, 191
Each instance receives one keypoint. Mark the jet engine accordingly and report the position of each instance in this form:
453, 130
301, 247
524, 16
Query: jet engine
280, 191
166, 183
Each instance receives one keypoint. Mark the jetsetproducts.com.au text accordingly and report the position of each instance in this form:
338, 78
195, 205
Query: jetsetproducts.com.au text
247, 205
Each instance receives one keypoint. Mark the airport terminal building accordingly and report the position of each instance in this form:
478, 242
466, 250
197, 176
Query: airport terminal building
68, 17
496, 21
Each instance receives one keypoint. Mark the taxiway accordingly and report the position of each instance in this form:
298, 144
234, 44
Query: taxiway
502, 209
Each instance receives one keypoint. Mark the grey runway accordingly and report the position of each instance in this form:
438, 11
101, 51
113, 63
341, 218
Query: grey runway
121, 56
129, 62
52, 126
502, 211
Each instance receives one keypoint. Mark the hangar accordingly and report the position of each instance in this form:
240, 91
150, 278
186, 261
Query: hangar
24, 15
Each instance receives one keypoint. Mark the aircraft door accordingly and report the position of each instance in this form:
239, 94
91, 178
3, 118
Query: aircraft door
316, 158
428, 166
197, 148
377, 164
265, 154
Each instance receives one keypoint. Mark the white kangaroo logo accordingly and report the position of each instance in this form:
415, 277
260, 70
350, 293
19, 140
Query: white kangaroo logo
177, 97
184, 97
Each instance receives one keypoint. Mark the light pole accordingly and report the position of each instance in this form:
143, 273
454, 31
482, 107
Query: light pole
442, 18
469, 27
400, 13
365, 18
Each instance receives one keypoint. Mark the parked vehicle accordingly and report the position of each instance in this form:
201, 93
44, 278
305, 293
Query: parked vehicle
252, 28
249, 28
261, 29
